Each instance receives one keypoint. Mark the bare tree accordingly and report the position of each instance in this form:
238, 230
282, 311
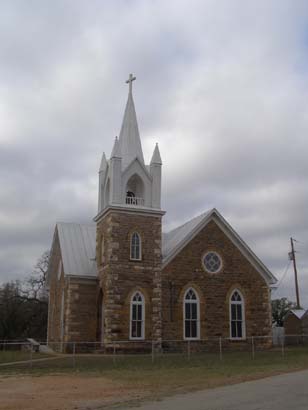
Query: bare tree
280, 308
35, 285
24, 306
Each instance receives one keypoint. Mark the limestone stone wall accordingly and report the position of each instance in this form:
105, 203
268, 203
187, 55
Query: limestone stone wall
56, 287
214, 290
81, 310
119, 276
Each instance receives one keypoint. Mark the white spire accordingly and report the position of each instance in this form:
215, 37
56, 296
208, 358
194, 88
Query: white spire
104, 164
156, 158
130, 144
116, 151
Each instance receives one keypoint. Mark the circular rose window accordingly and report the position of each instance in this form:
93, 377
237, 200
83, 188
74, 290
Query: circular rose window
212, 262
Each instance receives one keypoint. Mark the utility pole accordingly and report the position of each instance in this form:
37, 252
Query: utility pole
292, 258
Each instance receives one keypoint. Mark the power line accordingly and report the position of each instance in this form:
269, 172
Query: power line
297, 241
284, 274
293, 258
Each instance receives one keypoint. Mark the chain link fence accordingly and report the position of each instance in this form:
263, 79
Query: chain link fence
60, 356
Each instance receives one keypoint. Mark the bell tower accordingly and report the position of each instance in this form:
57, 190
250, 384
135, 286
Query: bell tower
125, 180
128, 240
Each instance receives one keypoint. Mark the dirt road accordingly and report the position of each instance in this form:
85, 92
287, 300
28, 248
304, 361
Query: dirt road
61, 392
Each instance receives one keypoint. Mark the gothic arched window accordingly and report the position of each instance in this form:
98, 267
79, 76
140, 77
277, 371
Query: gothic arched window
191, 311
135, 191
135, 246
237, 315
137, 314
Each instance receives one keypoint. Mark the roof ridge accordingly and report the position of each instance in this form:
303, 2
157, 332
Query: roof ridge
76, 223
189, 221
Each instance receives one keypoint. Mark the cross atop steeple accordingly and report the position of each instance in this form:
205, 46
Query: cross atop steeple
130, 82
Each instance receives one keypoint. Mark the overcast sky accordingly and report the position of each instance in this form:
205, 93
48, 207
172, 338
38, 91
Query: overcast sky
222, 86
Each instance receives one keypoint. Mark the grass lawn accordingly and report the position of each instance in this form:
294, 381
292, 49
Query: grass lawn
107, 381
169, 373
8, 356
176, 373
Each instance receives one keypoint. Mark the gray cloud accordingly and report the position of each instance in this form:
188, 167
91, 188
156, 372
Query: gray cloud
221, 86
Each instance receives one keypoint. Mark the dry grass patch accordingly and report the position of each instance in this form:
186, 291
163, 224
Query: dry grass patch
96, 381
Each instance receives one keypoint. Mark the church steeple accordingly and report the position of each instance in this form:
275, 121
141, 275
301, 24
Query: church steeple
125, 181
130, 143
129, 217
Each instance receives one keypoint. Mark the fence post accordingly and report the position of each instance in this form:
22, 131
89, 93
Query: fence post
74, 357
282, 346
220, 348
188, 349
114, 353
31, 356
153, 348
253, 347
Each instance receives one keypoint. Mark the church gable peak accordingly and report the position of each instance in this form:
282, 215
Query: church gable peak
175, 241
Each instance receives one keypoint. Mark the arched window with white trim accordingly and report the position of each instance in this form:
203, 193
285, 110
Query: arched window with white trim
135, 247
137, 316
237, 316
191, 315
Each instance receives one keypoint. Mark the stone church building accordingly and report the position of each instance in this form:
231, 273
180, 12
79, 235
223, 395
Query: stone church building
123, 278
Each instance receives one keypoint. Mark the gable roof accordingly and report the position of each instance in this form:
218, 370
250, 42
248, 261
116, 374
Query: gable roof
173, 239
299, 313
176, 240
78, 245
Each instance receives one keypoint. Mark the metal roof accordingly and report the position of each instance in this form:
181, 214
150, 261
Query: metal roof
78, 244
172, 239
299, 313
